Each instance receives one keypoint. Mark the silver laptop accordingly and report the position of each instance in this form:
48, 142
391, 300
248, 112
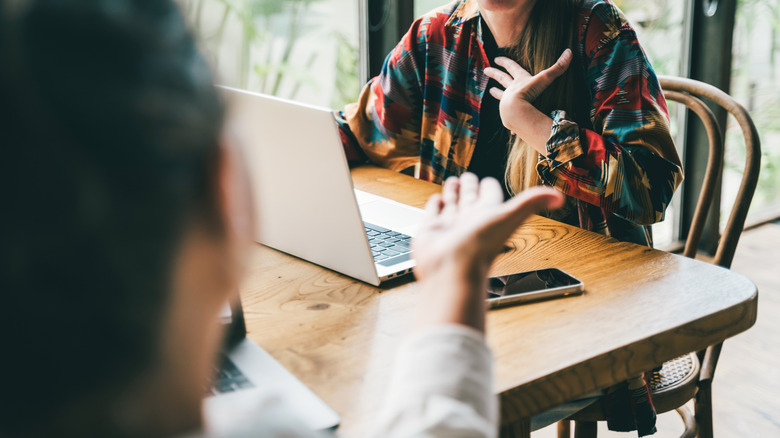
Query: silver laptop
307, 206
246, 372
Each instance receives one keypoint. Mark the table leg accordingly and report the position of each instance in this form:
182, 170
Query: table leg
518, 429
564, 429
585, 429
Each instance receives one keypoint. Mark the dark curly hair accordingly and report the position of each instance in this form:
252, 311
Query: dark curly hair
109, 132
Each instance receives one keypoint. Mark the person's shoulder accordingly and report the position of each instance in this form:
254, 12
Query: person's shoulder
444, 15
602, 17
600, 22
445, 25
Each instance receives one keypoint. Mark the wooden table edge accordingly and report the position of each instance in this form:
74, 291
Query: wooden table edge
534, 397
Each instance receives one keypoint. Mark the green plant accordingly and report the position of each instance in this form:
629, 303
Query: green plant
270, 57
278, 68
347, 83
657, 22
759, 91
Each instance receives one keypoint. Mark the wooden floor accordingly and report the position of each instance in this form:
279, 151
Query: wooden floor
747, 381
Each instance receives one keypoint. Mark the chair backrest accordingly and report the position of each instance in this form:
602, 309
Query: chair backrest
690, 93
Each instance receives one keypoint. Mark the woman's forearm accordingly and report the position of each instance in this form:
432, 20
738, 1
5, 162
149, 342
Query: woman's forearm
530, 124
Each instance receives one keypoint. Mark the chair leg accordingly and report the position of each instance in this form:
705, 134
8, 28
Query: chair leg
518, 429
585, 429
564, 429
703, 409
688, 421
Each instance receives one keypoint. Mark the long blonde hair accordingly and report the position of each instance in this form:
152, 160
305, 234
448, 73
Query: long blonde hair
549, 31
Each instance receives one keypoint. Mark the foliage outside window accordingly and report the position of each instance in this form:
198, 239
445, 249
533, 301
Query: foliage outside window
306, 50
755, 82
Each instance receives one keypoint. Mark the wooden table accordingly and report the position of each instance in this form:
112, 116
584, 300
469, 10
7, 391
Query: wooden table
641, 308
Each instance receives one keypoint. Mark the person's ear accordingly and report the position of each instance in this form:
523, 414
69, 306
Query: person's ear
234, 193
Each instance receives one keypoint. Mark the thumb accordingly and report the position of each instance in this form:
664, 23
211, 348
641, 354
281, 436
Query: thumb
547, 76
529, 202
561, 65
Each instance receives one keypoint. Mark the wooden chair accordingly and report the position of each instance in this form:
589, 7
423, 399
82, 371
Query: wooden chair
690, 377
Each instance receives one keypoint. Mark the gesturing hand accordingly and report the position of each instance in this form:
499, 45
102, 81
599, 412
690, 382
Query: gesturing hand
463, 231
520, 87
469, 222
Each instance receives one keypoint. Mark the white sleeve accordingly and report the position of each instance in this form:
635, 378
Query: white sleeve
442, 386
257, 413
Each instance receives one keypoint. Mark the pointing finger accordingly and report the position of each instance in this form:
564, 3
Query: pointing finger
529, 202
514, 212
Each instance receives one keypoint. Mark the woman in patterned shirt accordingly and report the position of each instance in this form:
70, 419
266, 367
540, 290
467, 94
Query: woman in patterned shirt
554, 92
550, 92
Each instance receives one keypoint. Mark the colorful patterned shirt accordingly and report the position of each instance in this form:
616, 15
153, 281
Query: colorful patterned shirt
620, 172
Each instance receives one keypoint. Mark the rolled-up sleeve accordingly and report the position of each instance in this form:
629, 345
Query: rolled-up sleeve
385, 121
627, 163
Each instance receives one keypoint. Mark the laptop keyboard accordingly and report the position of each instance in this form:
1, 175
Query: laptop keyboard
387, 246
228, 378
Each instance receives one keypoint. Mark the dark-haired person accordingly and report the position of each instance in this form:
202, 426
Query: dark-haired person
531, 92
124, 227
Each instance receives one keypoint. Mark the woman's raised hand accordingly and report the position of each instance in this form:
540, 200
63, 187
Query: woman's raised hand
520, 90
519, 85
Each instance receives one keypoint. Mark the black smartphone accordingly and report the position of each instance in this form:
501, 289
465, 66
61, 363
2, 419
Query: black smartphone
508, 290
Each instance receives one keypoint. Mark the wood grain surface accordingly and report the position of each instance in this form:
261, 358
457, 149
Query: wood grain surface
641, 307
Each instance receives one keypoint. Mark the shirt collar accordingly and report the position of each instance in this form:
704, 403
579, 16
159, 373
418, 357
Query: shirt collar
467, 10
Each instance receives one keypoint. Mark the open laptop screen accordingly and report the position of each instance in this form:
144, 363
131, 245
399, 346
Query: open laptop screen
232, 316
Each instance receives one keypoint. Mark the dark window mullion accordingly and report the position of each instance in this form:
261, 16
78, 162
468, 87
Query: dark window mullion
711, 35
384, 23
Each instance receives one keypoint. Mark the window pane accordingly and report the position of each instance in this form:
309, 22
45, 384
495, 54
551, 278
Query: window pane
755, 82
306, 50
423, 6
656, 24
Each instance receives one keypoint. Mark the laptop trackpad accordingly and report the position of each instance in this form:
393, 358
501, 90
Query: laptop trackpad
389, 214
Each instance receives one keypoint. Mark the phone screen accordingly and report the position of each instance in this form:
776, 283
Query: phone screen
531, 281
